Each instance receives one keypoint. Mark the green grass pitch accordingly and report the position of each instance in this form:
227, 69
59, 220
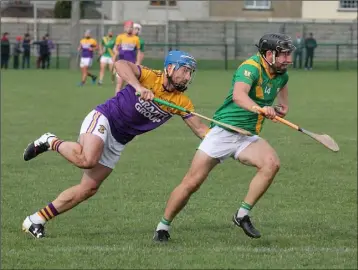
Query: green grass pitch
308, 218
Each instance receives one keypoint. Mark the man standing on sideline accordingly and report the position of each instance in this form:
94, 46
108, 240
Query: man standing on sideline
311, 45
17, 52
43, 51
51, 46
299, 44
5, 50
26, 46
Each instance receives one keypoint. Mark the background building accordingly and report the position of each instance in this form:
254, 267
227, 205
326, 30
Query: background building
331, 10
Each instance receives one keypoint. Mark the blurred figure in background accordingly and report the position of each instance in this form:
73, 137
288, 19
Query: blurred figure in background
5, 50
26, 46
51, 46
87, 46
106, 51
43, 52
300, 45
311, 45
16, 52
140, 54
126, 48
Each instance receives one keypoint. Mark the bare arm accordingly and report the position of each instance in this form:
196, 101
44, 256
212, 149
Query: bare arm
282, 100
241, 97
140, 57
198, 127
100, 49
128, 72
115, 53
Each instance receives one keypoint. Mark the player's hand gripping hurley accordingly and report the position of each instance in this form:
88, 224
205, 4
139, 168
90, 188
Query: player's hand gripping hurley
324, 139
171, 105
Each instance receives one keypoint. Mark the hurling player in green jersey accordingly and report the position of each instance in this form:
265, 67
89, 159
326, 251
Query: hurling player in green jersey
106, 51
257, 82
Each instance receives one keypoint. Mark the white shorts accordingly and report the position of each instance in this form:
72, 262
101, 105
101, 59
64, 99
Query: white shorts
106, 60
85, 62
97, 124
222, 144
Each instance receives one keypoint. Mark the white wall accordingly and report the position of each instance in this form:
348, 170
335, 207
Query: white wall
142, 11
325, 10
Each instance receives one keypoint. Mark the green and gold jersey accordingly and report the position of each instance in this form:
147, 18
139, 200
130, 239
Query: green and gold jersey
264, 89
108, 45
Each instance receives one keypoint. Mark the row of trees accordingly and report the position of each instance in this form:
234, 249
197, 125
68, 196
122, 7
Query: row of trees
62, 9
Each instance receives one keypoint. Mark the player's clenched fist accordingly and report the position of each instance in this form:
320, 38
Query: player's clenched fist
281, 110
269, 112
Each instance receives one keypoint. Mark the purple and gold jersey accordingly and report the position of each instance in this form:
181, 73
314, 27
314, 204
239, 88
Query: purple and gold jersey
129, 115
128, 46
87, 47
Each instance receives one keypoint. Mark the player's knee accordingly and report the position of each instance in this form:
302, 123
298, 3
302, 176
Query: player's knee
87, 190
193, 181
271, 165
88, 163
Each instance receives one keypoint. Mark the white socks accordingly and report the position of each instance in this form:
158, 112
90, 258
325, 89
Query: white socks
162, 226
37, 219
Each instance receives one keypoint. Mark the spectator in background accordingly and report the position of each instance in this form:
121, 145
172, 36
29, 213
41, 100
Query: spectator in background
43, 51
311, 45
16, 52
298, 54
5, 50
51, 46
26, 46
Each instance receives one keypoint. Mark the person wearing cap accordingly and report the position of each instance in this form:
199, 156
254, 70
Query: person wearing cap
87, 46
126, 47
106, 51
138, 31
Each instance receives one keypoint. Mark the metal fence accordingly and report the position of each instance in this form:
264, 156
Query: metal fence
221, 56
217, 44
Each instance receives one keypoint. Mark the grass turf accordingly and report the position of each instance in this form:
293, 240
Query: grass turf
308, 217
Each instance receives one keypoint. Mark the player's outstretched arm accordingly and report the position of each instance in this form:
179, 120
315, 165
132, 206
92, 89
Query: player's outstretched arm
130, 73
198, 127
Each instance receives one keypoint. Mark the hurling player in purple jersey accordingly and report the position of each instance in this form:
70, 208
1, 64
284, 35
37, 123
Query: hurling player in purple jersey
110, 126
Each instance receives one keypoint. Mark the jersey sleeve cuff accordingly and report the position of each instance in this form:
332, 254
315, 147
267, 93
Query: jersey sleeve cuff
140, 71
187, 116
